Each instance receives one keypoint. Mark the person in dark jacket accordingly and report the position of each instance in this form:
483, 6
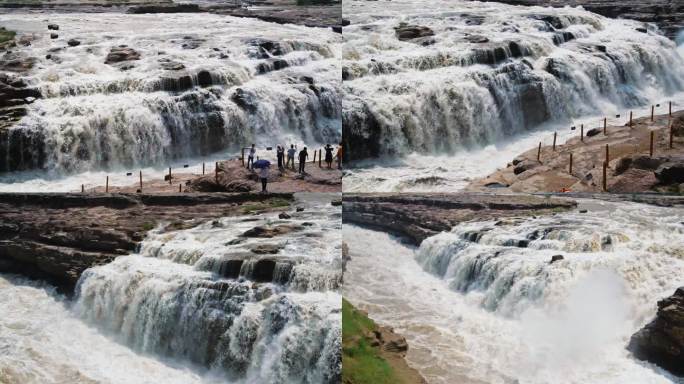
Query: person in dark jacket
329, 155
280, 152
303, 155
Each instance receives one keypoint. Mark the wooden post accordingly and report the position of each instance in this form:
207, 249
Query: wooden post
670, 109
320, 155
243, 157
570, 170
630, 118
82, 188
140, 180
243, 160
582, 133
605, 176
554, 141
169, 175
671, 135
652, 112
607, 155
605, 126
179, 187
216, 173
539, 152
107, 185
651, 146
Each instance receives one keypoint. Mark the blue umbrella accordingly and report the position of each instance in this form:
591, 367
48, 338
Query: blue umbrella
261, 164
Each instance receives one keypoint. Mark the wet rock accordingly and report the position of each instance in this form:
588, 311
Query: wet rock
244, 99
119, 54
593, 132
678, 126
53, 27
525, 166
266, 48
73, 43
169, 65
271, 65
54, 36
405, 32
670, 172
175, 8
639, 162
662, 340
477, 39
284, 216
496, 185
262, 249
273, 231
555, 258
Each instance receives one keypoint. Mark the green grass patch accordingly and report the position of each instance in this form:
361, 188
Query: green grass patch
264, 205
361, 363
6, 35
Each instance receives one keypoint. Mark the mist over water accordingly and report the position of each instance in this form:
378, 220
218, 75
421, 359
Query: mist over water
203, 84
489, 76
483, 303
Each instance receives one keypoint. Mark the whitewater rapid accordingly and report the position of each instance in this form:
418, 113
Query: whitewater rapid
482, 303
434, 113
204, 86
199, 305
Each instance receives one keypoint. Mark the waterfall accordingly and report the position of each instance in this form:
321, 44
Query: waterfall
247, 308
199, 84
484, 304
511, 265
490, 71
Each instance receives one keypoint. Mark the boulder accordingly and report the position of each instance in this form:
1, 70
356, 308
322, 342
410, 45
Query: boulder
54, 36
405, 32
53, 27
271, 231
73, 42
662, 340
524, 166
671, 172
284, 216
119, 54
593, 132
555, 258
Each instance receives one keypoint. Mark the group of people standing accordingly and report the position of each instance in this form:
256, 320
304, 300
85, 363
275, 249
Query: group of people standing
290, 163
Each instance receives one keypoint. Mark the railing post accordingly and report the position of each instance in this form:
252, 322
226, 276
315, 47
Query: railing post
82, 188
107, 185
582, 133
169, 175
651, 145
554, 141
670, 109
243, 160
652, 112
631, 114
320, 155
671, 135
605, 126
216, 169
607, 155
539, 153
570, 170
605, 176
141, 180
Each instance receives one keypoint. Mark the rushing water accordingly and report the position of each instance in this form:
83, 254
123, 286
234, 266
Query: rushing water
482, 303
203, 84
205, 304
540, 68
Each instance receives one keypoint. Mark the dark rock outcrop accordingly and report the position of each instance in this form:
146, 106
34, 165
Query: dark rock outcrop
670, 172
175, 8
662, 340
73, 43
58, 236
417, 217
415, 33
122, 53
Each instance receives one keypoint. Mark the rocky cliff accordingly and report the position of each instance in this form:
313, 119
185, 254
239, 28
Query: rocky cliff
417, 217
662, 340
58, 236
